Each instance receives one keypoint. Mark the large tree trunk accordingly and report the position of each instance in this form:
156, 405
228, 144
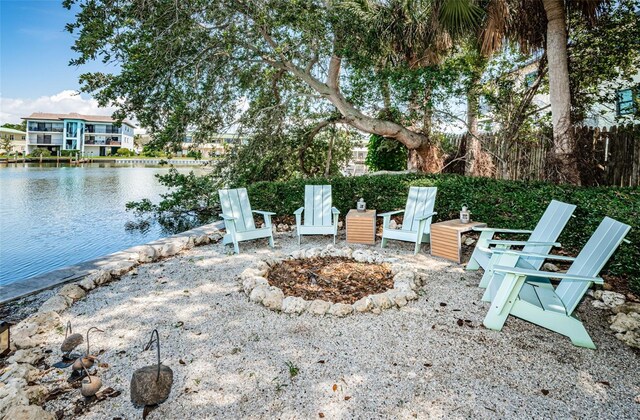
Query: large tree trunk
563, 163
474, 147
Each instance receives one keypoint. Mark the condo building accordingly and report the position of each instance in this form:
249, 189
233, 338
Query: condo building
94, 135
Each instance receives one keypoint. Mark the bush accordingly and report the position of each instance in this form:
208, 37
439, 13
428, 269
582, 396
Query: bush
510, 204
195, 154
125, 152
40, 152
67, 153
385, 154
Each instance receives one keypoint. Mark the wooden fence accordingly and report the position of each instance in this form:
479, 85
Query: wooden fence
605, 156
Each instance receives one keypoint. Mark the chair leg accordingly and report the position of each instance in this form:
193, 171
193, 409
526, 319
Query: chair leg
417, 247
236, 248
383, 242
299, 237
271, 244
503, 302
334, 238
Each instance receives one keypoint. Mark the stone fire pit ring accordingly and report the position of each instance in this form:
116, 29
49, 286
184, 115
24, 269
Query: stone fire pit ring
405, 286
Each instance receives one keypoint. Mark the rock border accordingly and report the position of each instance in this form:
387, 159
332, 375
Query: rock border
405, 286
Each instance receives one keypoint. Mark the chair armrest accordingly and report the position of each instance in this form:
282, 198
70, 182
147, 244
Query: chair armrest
335, 210
425, 216
536, 273
299, 211
227, 217
486, 229
532, 254
516, 243
390, 213
264, 213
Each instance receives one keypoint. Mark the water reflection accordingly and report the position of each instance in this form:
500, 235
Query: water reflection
55, 215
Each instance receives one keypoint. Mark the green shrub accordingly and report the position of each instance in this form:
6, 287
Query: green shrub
385, 154
195, 154
123, 151
40, 152
510, 204
67, 153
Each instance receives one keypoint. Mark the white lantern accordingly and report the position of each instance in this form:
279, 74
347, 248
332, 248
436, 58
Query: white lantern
465, 214
361, 205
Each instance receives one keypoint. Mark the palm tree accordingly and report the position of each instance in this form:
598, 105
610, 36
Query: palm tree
536, 24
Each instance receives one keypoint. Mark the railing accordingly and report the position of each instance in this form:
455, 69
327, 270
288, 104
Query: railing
90, 130
102, 143
46, 129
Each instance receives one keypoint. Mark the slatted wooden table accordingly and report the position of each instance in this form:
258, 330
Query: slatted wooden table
361, 227
446, 238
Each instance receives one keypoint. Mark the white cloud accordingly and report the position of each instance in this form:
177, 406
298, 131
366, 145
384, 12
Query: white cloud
12, 109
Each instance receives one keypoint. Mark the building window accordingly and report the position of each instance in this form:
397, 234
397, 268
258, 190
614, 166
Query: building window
530, 78
11, 137
626, 102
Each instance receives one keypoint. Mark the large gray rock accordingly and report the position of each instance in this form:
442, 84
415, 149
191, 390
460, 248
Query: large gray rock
381, 301
363, 305
361, 255
100, 277
248, 284
12, 394
319, 307
37, 394
19, 372
30, 356
626, 322
258, 293
612, 299
626, 308
87, 283
72, 291
294, 305
146, 253
31, 332
273, 299
56, 304
340, 309
28, 412
630, 338
120, 268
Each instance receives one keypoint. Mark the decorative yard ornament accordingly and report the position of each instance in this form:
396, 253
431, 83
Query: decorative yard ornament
361, 205
151, 385
5, 338
465, 214
86, 361
90, 385
71, 341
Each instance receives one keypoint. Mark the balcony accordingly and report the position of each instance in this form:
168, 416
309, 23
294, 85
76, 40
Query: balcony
102, 130
46, 128
92, 142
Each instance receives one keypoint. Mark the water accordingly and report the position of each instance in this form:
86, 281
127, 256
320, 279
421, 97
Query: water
51, 217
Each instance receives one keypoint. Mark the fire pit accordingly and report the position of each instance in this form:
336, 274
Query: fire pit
330, 281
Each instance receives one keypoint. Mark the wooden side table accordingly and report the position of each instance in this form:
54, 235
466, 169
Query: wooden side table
361, 227
446, 238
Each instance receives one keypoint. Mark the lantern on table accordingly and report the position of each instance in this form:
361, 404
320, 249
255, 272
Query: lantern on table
361, 205
5, 338
465, 214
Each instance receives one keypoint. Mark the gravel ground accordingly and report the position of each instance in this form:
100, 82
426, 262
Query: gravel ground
235, 359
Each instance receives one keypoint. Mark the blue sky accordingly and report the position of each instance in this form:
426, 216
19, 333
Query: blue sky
34, 54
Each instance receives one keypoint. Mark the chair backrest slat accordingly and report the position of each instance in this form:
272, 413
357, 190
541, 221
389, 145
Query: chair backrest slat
594, 255
235, 203
317, 205
549, 227
420, 201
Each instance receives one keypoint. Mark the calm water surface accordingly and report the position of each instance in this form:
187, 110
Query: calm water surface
51, 217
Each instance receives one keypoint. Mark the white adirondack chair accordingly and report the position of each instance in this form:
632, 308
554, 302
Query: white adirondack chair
416, 224
538, 302
238, 219
540, 241
320, 218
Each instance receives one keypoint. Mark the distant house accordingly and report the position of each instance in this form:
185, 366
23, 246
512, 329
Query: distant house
216, 144
96, 135
16, 137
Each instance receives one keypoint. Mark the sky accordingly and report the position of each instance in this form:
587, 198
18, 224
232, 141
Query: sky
35, 51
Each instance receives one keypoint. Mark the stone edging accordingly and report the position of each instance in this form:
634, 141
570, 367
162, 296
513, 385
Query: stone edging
405, 286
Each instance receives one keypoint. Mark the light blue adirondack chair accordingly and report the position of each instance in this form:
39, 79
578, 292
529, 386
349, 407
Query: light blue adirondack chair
238, 219
538, 302
416, 224
320, 218
540, 241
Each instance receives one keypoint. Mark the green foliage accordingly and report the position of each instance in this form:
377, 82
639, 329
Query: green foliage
123, 151
508, 204
21, 127
195, 154
40, 152
152, 151
385, 154
67, 153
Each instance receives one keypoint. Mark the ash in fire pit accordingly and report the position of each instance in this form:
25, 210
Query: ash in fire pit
330, 281
333, 279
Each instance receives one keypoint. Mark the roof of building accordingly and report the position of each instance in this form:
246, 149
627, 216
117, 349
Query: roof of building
74, 116
11, 130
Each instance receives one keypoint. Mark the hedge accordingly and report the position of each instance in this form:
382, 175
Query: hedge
508, 204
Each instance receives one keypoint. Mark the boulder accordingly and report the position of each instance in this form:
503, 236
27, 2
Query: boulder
31, 331
340, 309
72, 291
361, 255
28, 412
201, 240
55, 303
19, 372
312, 252
37, 394
347, 252
597, 294
381, 301
119, 268
550, 267
630, 338
626, 308
258, 293
393, 224
249, 273
625, 322
469, 241
411, 295
273, 299
340, 224
398, 297
146, 253
12, 395
30, 356
612, 299
319, 307
99, 277
248, 285
294, 305
599, 304
363, 305
87, 284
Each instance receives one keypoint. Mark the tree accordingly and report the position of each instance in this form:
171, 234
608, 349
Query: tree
6, 146
199, 63
20, 127
543, 24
